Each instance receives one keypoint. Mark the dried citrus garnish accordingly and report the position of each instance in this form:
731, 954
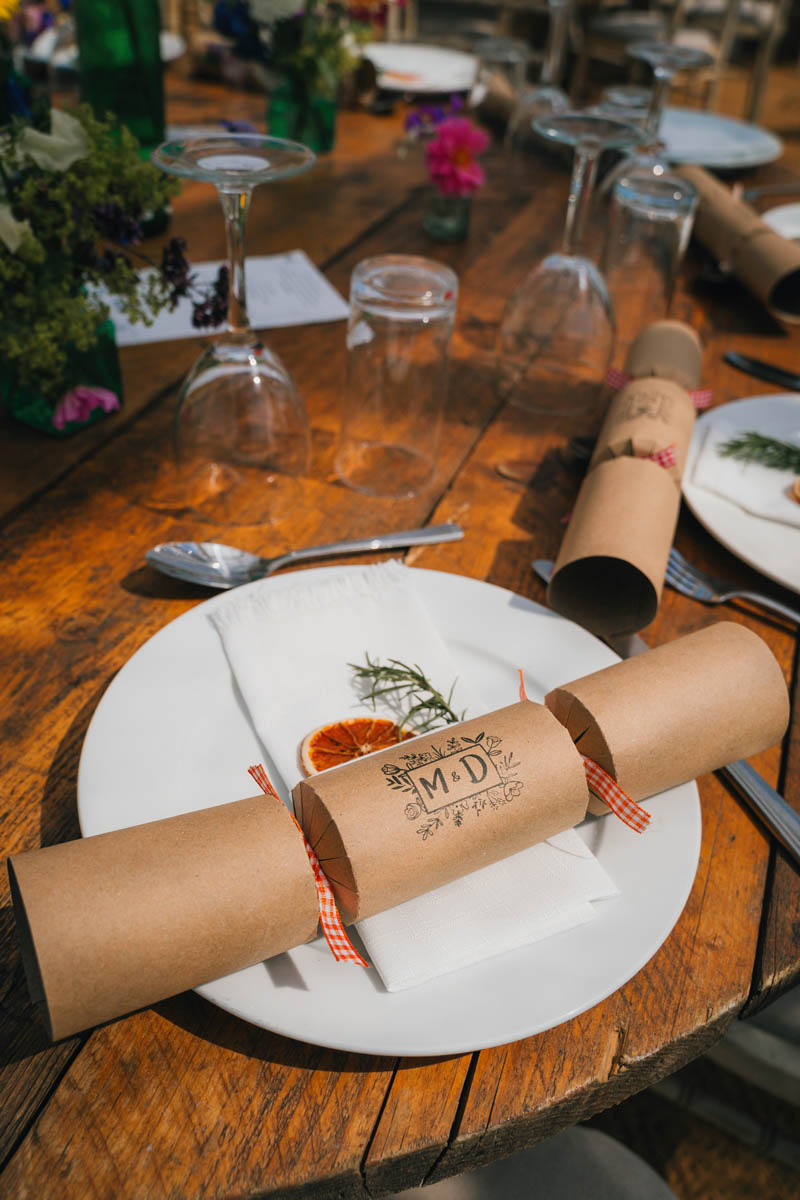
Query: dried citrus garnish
342, 741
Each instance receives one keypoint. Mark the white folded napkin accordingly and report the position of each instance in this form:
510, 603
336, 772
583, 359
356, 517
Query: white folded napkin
759, 490
289, 650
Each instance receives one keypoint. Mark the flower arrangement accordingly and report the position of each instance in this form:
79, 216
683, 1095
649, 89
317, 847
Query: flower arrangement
306, 48
451, 157
313, 41
72, 198
452, 154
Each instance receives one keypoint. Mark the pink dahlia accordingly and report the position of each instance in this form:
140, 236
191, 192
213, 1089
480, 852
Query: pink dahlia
451, 157
79, 403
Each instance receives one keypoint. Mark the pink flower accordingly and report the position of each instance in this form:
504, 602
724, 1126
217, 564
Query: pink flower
451, 157
80, 402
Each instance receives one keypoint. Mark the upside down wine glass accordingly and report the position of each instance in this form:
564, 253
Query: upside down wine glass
557, 333
666, 59
546, 96
241, 428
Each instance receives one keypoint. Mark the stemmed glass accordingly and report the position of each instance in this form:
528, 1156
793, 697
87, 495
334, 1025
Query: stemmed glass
557, 333
666, 59
546, 97
240, 419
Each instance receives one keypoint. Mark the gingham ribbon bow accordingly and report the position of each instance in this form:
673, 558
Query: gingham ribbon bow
602, 785
702, 398
665, 457
342, 948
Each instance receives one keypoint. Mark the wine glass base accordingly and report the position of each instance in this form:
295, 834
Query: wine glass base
218, 493
378, 469
557, 338
556, 395
240, 439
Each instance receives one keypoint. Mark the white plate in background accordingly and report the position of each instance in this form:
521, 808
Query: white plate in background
770, 546
709, 140
408, 67
785, 220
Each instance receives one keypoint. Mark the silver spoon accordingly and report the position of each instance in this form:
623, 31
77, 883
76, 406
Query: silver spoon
213, 565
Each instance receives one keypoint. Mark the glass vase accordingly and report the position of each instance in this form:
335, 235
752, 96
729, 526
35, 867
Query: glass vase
302, 116
96, 367
446, 218
120, 67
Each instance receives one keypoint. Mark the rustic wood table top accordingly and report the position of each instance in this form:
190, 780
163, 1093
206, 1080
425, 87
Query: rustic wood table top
182, 1099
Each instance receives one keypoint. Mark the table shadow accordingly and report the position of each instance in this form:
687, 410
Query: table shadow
199, 1017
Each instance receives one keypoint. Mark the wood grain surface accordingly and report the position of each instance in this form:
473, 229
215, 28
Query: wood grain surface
181, 1099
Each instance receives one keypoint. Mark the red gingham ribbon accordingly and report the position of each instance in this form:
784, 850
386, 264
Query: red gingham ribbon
702, 398
342, 948
617, 379
606, 788
664, 458
620, 803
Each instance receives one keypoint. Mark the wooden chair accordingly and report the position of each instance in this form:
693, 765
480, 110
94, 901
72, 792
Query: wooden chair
712, 25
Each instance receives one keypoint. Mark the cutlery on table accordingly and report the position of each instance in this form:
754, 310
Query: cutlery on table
693, 582
779, 818
212, 564
761, 370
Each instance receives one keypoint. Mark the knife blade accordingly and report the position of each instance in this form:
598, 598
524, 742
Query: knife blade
779, 818
762, 370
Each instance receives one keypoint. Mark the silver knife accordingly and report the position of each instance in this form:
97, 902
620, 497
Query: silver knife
780, 819
761, 370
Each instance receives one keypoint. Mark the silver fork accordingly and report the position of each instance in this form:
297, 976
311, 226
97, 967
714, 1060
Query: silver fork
696, 583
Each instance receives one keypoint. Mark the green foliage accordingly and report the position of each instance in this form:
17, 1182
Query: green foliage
407, 687
757, 447
318, 48
48, 297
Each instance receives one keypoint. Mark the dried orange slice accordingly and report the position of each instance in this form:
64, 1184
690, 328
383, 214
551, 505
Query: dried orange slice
342, 741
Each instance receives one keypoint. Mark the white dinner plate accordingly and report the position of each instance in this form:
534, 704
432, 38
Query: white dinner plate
785, 220
770, 546
171, 735
709, 140
408, 67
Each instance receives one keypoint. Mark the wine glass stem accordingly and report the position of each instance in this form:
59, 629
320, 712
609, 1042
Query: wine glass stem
556, 42
235, 206
661, 85
584, 169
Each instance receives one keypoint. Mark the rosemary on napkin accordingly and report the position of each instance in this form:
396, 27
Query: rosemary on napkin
758, 448
408, 688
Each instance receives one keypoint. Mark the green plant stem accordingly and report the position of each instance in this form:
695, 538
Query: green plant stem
757, 447
426, 707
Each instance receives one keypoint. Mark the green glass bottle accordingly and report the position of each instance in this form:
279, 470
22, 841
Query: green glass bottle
120, 63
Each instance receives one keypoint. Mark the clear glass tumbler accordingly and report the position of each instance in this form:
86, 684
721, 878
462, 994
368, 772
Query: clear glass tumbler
402, 311
649, 229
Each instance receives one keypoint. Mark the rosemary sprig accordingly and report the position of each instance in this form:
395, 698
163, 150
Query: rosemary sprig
757, 447
421, 706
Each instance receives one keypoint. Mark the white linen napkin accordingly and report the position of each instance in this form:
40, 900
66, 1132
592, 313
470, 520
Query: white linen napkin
759, 490
289, 650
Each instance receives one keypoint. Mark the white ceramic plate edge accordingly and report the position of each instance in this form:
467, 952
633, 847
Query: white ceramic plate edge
724, 520
766, 146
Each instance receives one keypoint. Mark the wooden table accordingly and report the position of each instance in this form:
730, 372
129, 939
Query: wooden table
180, 1099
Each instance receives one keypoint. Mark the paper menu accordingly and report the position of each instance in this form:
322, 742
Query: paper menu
282, 290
